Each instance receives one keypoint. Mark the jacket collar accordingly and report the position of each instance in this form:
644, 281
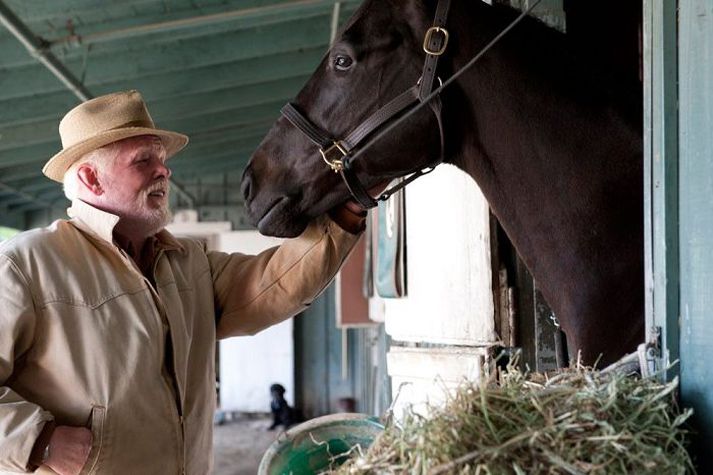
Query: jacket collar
100, 223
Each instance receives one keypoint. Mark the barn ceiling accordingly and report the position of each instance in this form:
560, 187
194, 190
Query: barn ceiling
216, 70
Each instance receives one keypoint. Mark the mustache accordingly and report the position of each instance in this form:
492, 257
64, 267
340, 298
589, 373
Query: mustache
158, 186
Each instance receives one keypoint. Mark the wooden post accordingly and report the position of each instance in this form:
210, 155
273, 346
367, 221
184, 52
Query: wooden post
661, 176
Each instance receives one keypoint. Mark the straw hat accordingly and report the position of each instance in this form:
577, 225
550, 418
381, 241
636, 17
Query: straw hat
101, 121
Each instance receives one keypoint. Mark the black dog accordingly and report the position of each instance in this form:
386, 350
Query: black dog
282, 413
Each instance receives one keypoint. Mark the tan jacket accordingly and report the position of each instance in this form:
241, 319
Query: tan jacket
87, 340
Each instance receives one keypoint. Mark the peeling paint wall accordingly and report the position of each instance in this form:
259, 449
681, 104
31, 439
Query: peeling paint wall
450, 299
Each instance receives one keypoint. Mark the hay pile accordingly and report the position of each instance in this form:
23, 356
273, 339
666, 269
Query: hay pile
578, 422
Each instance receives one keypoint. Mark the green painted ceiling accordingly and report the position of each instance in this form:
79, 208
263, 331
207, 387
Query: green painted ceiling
216, 70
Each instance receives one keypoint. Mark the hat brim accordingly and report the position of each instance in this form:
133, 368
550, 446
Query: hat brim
55, 168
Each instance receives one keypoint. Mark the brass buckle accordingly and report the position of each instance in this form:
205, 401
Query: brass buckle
328, 155
429, 35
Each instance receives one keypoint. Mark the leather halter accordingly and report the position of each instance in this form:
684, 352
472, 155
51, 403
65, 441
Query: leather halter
339, 154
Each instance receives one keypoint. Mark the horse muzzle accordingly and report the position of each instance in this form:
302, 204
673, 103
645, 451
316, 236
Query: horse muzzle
273, 214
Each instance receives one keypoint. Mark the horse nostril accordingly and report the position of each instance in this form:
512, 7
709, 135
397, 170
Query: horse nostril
246, 184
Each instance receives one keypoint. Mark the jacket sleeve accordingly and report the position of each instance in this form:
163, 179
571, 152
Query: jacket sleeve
254, 292
20, 421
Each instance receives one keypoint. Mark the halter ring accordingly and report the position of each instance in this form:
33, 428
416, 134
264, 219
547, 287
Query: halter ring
328, 155
438, 78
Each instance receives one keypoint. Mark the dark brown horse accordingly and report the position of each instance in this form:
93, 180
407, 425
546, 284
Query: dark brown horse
554, 143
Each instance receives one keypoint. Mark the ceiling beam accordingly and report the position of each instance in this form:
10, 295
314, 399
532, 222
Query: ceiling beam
55, 13
198, 149
233, 161
233, 132
336, 10
229, 162
175, 107
284, 8
40, 51
238, 115
163, 58
23, 195
34, 156
190, 105
33, 106
14, 56
22, 172
205, 155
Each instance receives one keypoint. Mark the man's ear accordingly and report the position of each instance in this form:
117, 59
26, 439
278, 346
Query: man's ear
89, 179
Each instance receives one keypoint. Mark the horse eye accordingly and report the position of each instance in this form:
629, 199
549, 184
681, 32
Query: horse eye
342, 63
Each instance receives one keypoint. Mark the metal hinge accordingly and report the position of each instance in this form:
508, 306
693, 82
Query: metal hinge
646, 360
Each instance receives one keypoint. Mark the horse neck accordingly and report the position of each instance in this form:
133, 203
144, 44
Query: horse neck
539, 138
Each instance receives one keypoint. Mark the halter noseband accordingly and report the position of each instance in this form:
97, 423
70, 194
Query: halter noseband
339, 154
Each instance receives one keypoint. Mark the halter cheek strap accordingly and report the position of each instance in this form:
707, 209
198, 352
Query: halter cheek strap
340, 154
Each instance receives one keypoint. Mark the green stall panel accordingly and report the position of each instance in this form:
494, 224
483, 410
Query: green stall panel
695, 138
333, 364
661, 176
678, 120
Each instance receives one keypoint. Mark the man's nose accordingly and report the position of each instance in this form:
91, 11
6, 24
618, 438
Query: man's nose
162, 170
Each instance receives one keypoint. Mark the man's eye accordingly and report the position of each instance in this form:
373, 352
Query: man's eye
342, 63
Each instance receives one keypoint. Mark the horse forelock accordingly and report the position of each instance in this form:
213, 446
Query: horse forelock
362, 11
400, 12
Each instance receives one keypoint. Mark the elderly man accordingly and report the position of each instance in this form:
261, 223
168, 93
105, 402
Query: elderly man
108, 323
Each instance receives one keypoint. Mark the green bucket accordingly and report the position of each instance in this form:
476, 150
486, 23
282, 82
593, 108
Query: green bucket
311, 447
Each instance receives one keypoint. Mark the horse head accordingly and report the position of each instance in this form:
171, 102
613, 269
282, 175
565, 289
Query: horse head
553, 141
377, 56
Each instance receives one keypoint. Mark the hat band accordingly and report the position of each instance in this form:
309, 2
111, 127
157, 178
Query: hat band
135, 123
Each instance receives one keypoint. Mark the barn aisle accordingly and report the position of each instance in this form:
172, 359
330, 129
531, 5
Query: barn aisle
240, 444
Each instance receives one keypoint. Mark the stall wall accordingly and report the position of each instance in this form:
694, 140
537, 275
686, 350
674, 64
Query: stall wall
441, 331
450, 298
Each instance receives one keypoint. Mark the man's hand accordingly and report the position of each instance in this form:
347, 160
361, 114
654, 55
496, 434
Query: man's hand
69, 449
350, 216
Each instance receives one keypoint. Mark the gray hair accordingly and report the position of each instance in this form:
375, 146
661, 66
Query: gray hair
99, 159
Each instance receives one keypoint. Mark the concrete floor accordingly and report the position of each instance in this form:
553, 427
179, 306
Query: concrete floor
239, 445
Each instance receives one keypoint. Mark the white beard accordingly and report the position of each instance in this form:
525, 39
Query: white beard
137, 217
151, 220
156, 219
